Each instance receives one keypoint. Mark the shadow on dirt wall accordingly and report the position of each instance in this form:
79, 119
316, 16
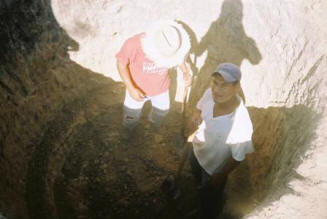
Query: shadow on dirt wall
225, 41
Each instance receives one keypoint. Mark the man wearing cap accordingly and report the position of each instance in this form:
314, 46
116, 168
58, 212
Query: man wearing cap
143, 64
222, 137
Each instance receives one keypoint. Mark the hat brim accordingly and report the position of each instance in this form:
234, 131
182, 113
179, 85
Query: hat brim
229, 71
227, 77
153, 52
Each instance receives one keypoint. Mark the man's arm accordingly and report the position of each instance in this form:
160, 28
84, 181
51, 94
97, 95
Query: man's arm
193, 124
125, 75
187, 76
217, 179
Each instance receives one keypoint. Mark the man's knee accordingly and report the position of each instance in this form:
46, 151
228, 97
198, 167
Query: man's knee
157, 115
131, 117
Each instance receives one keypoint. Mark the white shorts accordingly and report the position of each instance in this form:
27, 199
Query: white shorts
160, 101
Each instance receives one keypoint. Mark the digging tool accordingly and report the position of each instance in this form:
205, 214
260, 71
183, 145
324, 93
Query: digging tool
170, 185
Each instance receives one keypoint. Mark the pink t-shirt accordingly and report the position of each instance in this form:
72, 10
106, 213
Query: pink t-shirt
153, 80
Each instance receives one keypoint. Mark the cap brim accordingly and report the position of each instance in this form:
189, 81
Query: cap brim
227, 77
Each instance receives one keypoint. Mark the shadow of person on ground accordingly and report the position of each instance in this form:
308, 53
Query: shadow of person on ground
225, 41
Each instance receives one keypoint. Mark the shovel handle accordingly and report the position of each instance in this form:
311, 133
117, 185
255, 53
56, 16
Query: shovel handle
185, 155
186, 148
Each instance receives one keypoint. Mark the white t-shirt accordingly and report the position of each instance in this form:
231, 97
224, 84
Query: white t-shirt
219, 138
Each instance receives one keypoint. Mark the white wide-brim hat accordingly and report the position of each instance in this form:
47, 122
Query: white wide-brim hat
166, 43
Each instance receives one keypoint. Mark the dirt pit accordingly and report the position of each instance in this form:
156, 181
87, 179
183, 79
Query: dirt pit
83, 170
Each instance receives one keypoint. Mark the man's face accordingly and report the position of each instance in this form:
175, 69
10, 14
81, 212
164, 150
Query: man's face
223, 91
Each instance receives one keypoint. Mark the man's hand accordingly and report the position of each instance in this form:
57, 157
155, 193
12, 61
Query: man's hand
217, 180
125, 75
187, 77
192, 125
136, 94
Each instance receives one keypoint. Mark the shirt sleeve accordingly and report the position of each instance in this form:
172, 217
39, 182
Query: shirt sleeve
239, 150
127, 51
203, 99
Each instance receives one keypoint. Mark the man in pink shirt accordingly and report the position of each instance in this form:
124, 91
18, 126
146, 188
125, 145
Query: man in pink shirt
143, 64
